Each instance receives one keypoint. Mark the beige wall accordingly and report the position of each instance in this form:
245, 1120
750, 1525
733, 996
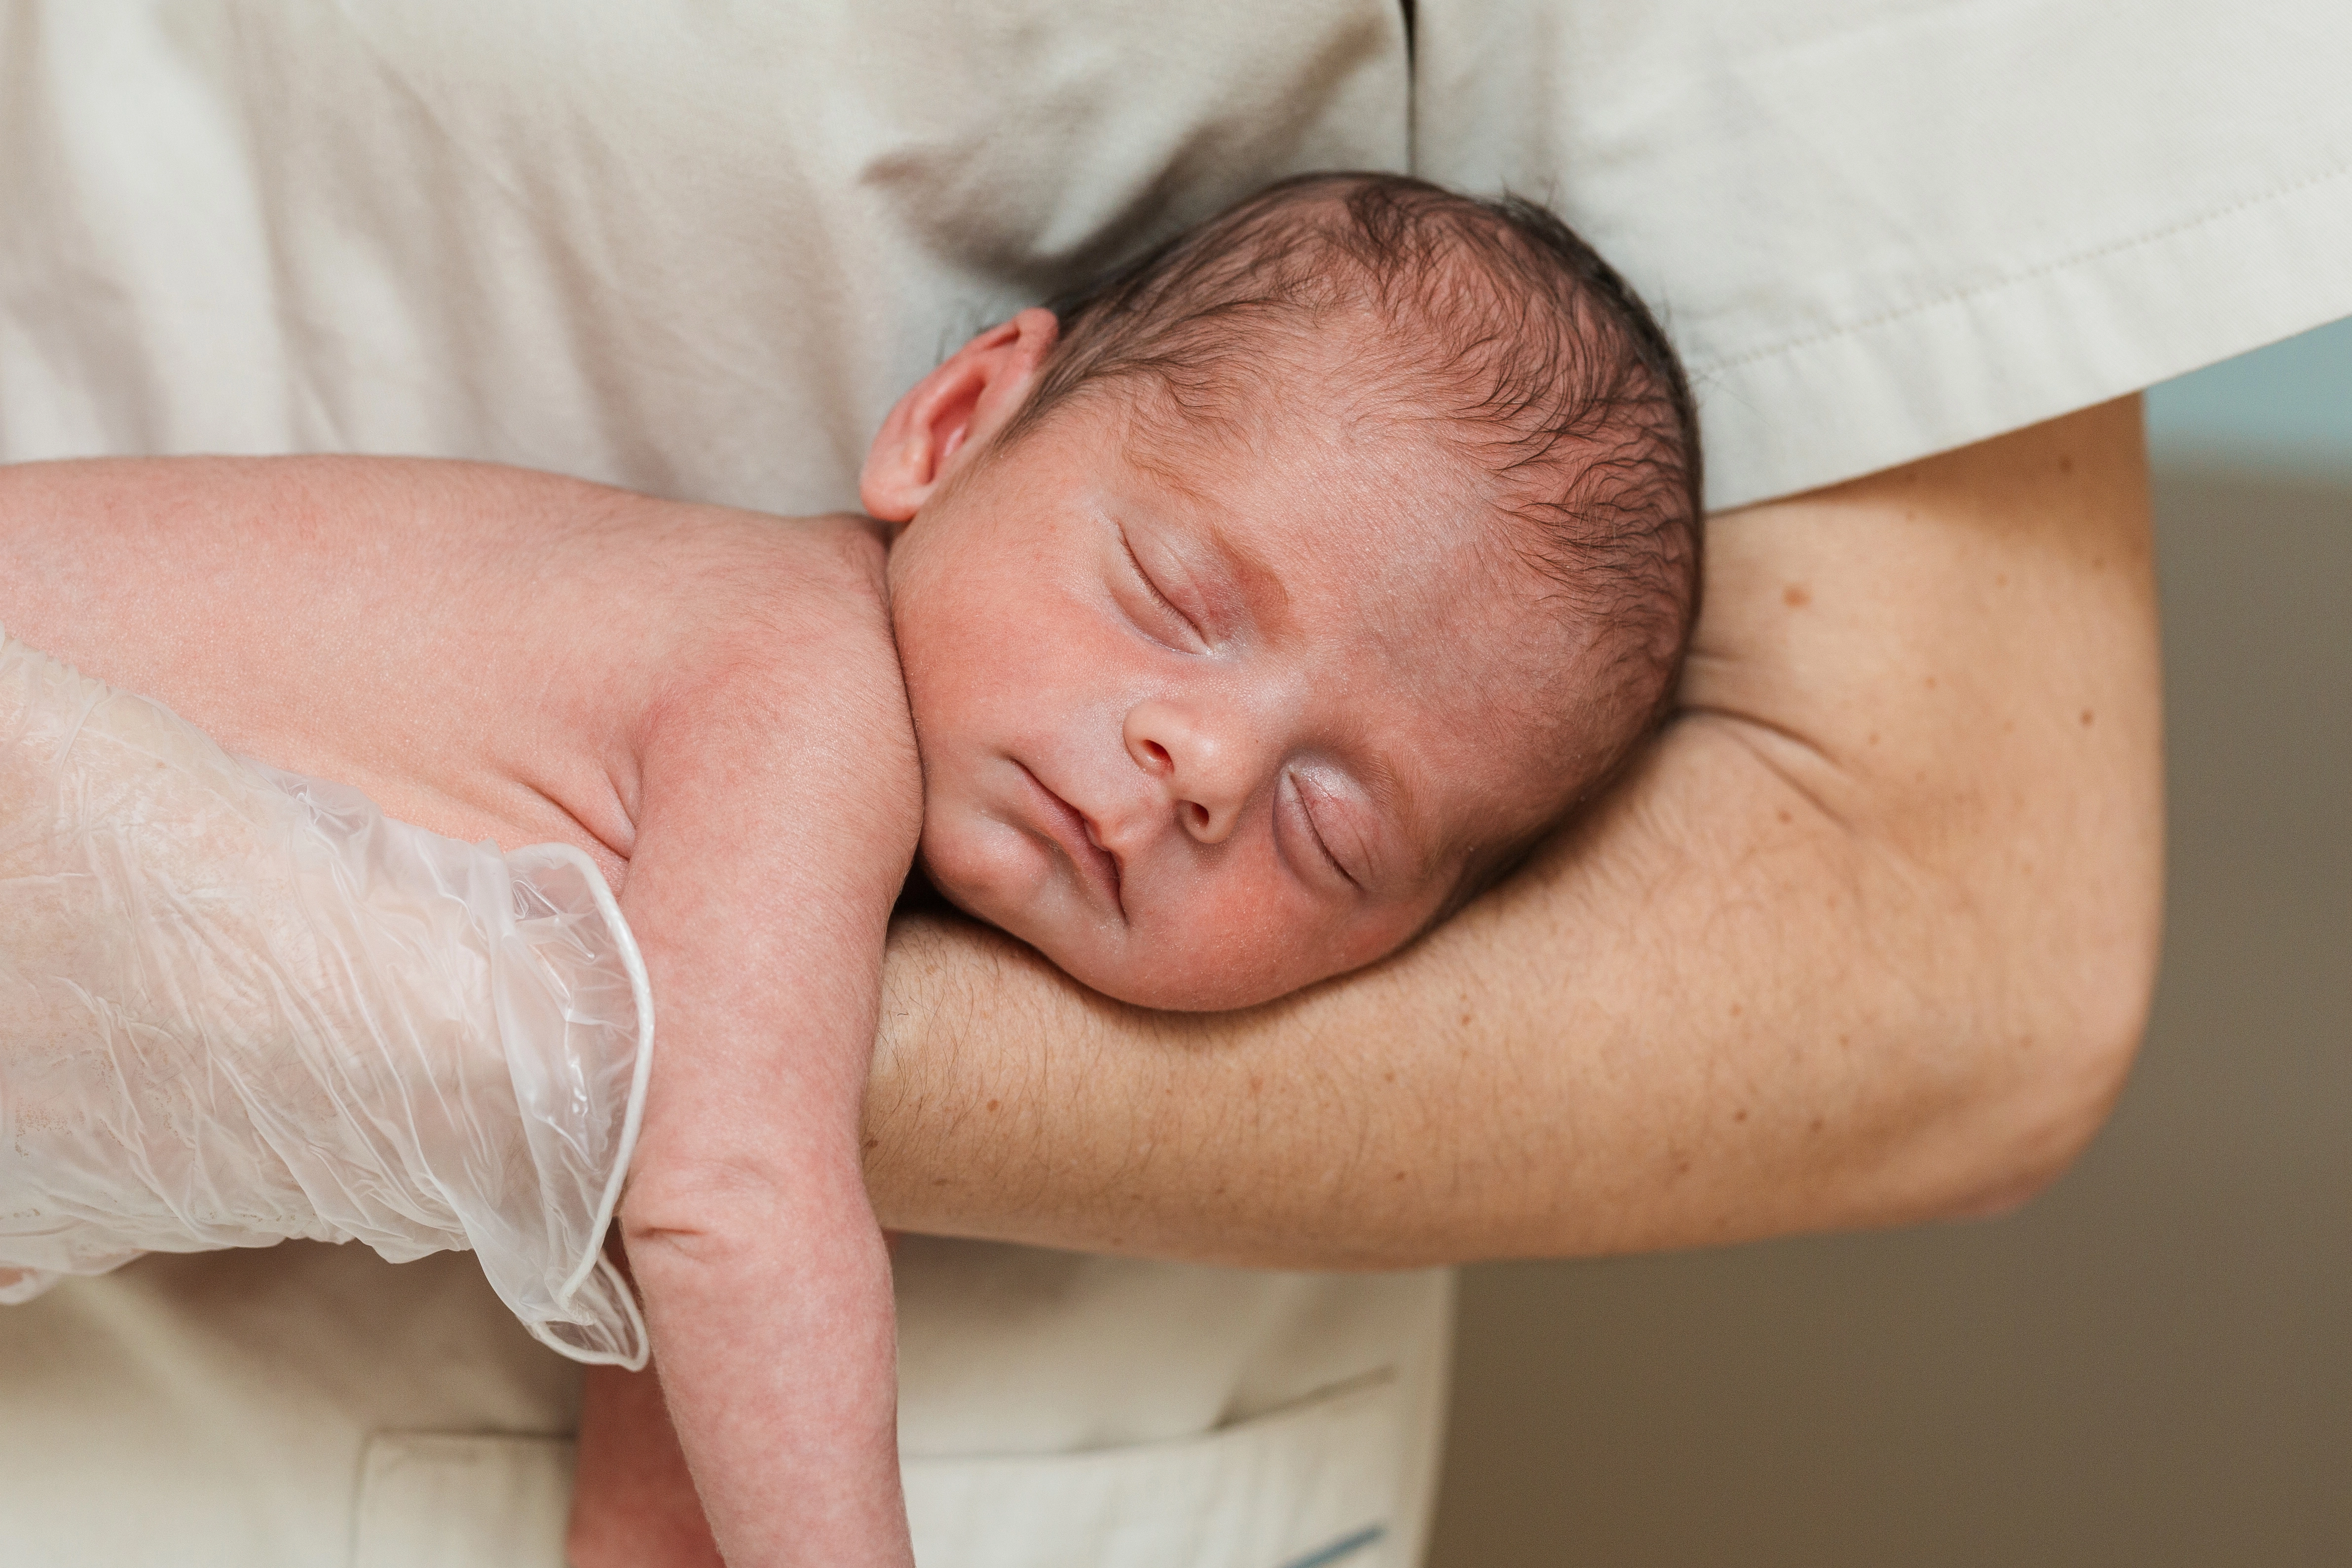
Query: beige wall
2150, 1366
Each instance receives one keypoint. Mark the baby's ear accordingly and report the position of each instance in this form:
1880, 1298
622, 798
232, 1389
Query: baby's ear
952, 411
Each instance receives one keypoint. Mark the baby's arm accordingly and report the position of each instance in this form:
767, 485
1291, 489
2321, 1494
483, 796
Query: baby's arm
703, 701
779, 812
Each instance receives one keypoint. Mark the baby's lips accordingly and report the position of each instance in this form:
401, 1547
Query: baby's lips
1074, 832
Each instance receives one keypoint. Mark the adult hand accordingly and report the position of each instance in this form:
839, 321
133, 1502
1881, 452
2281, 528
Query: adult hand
1868, 938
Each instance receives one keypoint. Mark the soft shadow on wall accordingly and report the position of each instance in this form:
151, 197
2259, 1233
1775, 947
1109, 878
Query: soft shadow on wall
2152, 1365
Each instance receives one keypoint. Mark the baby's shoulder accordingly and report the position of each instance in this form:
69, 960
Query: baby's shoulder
777, 679
740, 612
776, 592
829, 567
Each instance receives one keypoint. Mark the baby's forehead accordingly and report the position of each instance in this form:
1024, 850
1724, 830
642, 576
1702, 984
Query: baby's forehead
1379, 532
1396, 458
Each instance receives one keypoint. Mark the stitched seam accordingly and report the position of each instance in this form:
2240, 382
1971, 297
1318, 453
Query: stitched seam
2010, 281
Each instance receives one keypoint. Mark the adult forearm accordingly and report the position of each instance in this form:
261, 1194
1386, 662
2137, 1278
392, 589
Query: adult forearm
1868, 938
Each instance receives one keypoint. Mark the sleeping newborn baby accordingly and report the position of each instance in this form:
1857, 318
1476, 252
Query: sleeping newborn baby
1243, 616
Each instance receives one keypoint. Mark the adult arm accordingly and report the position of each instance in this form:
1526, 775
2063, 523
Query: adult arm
1867, 938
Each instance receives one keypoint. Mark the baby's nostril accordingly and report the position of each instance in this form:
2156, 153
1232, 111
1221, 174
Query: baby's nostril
1158, 753
1198, 814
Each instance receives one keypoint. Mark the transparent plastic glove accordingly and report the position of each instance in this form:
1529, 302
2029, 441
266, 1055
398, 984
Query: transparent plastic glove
238, 1005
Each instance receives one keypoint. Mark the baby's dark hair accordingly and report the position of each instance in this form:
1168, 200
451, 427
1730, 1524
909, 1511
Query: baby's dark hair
1533, 355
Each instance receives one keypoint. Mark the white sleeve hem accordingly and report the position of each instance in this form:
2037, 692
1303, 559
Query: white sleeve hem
2107, 321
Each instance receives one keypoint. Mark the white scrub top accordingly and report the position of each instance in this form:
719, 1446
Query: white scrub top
697, 250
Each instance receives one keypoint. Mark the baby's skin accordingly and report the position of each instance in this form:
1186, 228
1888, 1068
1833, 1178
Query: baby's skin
1206, 714
704, 701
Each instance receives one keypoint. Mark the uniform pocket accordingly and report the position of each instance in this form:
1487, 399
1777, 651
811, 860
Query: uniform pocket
1308, 1486
431, 1500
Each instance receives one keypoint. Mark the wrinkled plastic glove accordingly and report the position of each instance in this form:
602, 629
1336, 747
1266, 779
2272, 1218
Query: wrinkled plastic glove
238, 1005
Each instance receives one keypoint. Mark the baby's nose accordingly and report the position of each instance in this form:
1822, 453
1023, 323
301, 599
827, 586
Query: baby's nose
1203, 766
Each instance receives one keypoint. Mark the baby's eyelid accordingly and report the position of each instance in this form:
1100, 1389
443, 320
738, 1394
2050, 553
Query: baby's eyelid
1152, 587
1314, 828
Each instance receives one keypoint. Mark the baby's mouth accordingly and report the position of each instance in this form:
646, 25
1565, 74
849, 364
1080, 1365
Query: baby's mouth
1071, 829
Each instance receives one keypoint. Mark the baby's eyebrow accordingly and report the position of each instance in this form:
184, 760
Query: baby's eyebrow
1393, 802
1263, 592
1265, 598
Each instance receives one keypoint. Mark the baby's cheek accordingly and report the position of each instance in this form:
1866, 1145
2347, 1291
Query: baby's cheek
1237, 947
1318, 943
969, 862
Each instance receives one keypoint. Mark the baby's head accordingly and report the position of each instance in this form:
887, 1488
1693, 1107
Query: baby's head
1260, 603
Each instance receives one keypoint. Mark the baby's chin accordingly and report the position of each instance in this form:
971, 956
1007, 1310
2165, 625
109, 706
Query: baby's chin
1180, 993
1170, 976
1174, 991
